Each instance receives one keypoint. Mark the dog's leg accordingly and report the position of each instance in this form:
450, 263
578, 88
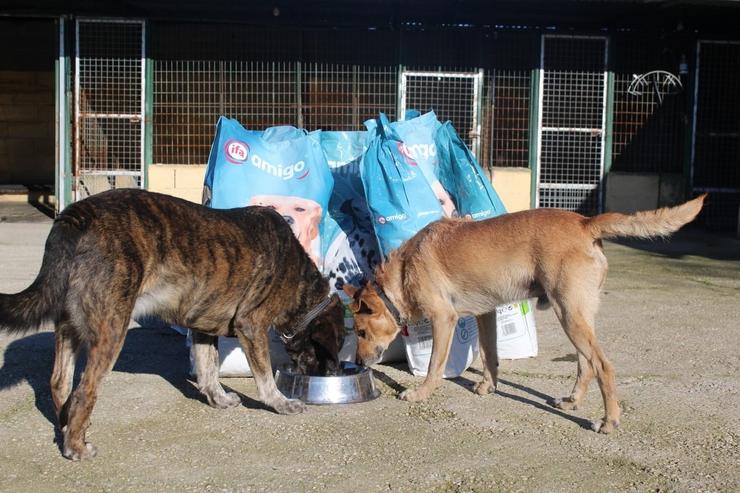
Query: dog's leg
488, 354
102, 355
443, 330
256, 347
583, 378
66, 346
205, 354
579, 328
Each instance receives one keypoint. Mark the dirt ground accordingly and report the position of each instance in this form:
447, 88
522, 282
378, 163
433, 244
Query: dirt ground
670, 323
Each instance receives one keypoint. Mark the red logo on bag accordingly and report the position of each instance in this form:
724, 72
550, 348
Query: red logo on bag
236, 151
405, 153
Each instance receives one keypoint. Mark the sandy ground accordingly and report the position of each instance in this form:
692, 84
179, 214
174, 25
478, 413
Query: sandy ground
670, 323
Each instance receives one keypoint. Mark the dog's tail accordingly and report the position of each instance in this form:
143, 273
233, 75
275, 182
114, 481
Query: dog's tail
43, 301
648, 224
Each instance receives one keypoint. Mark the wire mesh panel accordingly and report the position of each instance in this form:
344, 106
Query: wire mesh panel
716, 146
109, 105
506, 118
453, 96
342, 97
190, 95
571, 122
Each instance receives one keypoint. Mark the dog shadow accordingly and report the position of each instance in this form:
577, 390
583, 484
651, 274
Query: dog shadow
546, 405
158, 351
469, 385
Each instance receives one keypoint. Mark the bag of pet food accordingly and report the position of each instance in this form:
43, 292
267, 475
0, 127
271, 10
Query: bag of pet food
281, 167
349, 247
462, 177
400, 199
232, 360
515, 330
402, 203
463, 351
417, 133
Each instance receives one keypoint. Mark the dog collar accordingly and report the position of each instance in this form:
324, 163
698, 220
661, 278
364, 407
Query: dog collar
308, 318
388, 304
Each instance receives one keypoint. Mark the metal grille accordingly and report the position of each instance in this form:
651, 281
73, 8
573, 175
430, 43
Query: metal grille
190, 95
649, 108
716, 134
453, 96
507, 116
571, 122
109, 105
342, 97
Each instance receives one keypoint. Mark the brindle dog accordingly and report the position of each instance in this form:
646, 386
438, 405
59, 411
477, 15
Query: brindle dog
127, 253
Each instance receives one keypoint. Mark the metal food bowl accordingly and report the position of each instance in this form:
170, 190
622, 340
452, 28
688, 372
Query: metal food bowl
355, 383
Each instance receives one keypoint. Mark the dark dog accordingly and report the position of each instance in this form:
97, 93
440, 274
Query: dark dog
131, 252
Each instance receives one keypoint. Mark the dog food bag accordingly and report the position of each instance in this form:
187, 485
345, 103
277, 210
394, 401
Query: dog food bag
462, 177
417, 133
281, 167
515, 331
464, 349
349, 246
400, 199
232, 360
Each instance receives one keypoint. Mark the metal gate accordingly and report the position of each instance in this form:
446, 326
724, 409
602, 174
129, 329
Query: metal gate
715, 150
454, 96
109, 105
571, 122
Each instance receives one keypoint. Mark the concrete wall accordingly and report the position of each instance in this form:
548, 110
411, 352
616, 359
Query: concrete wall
513, 186
631, 192
184, 181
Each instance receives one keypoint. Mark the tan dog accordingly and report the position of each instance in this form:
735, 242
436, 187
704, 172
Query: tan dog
303, 215
455, 268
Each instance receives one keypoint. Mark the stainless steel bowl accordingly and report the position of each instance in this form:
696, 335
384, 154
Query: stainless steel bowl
355, 384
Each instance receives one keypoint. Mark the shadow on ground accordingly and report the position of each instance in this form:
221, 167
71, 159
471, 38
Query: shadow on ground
155, 351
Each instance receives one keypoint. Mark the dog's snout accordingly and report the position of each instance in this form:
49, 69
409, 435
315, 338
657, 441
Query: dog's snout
289, 220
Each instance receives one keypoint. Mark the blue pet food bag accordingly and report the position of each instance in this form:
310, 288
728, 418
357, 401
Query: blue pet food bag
400, 199
417, 133
349, 247
281, 167
462, 177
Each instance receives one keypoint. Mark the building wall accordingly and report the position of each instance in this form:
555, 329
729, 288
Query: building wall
513, 186
27, 127
632, 192
186, 181
27, 101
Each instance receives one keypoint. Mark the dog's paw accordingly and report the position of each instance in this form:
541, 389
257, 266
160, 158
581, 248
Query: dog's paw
87, 451
484, 387
604, 426
289, 406
226, 400
412, 395
566, 404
